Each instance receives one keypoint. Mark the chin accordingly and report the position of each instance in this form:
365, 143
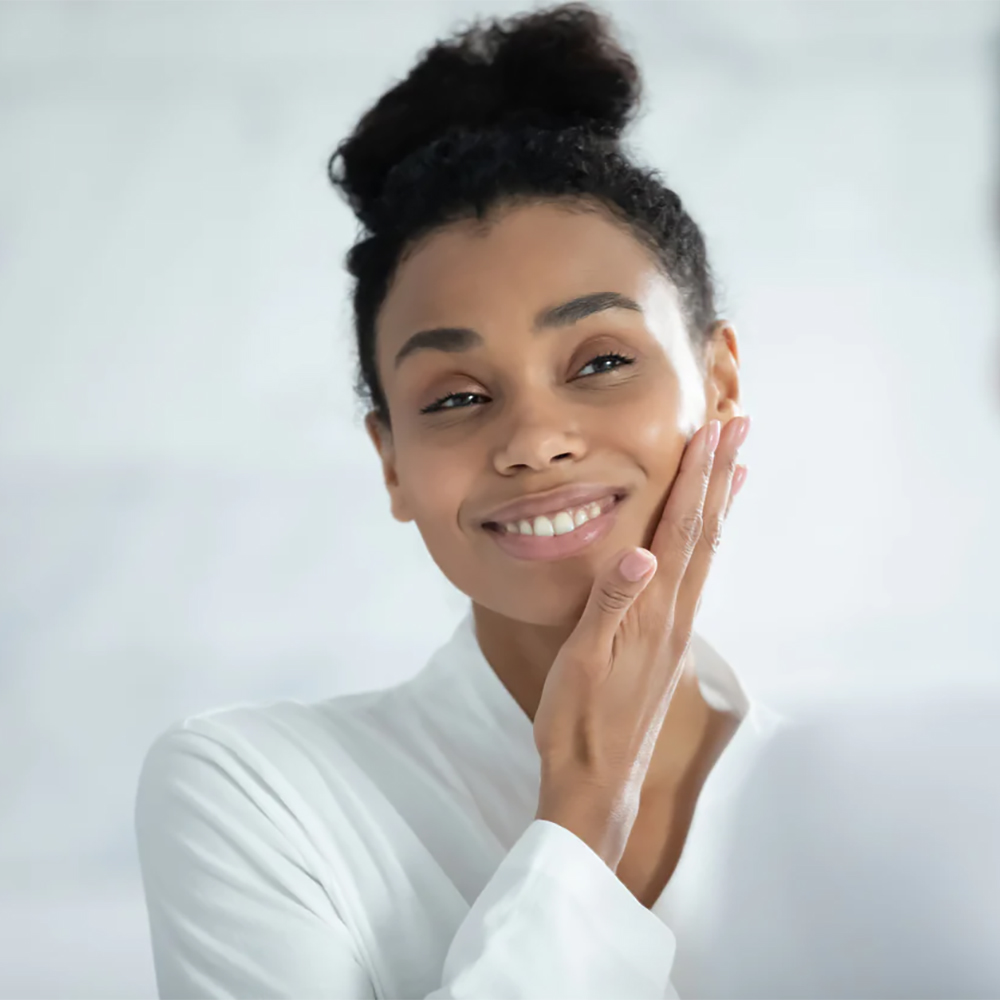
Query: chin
547, 594
547, 605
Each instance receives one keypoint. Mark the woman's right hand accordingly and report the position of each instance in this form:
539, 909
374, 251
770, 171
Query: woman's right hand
608, 690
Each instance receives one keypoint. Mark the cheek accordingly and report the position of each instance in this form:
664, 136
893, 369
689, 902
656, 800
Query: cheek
653, 433
655, 441
436, 483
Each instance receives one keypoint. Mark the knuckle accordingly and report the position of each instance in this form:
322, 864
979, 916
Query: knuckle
653, 627
612, 600
657, 624
661, 617
712, 531
687, 531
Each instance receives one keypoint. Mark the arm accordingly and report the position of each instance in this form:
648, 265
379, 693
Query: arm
235, 913
232, 910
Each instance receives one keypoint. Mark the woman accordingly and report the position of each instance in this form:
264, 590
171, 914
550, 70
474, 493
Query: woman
547, 382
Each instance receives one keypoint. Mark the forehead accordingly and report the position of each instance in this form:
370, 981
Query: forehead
503, 271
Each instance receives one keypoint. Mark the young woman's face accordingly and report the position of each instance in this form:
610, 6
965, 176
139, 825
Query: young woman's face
532, 405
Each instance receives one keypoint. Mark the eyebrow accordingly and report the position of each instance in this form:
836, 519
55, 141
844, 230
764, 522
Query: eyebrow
461, 338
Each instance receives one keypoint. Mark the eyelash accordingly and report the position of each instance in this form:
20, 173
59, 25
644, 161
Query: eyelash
437, 407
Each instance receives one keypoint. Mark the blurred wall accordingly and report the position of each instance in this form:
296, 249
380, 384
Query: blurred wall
190, 512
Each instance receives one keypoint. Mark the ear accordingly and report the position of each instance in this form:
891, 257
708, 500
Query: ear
381, 437
722, 373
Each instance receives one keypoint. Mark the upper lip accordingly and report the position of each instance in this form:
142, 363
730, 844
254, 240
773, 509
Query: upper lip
571, 495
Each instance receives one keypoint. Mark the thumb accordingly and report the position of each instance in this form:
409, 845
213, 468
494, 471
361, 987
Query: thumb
613, 593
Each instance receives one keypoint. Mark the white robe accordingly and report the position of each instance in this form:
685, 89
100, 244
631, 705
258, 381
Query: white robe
383, 844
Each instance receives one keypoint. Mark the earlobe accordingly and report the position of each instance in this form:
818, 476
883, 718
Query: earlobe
381, 437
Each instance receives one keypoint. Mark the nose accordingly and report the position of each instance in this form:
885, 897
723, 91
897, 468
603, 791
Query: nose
535, 437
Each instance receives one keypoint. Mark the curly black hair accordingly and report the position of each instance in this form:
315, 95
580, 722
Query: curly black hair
518, 110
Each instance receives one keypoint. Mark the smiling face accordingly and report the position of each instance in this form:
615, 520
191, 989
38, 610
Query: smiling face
550, 352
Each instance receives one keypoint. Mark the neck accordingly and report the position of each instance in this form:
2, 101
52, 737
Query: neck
522, 653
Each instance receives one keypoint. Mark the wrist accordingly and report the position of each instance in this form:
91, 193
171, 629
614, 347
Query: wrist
602, 819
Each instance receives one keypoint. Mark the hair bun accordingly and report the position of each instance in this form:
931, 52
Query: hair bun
555, 68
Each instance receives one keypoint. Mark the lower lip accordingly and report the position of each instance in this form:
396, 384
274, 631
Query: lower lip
557, 546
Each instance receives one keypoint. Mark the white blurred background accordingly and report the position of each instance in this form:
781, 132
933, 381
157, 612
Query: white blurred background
190, 512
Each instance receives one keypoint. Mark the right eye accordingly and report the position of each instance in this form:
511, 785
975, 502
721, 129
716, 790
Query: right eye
438, 404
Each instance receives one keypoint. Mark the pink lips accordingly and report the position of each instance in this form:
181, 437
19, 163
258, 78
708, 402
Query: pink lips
557, 546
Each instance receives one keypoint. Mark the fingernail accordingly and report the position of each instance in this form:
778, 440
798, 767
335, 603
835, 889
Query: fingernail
742, 430
712, 438
636, 564
739, 478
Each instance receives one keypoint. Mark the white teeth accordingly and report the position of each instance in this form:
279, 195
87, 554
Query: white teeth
542, 526
562, 523
558, 524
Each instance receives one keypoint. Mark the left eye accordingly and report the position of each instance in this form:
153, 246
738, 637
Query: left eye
620, 358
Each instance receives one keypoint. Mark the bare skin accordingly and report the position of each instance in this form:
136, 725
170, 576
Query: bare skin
542, 415
665, 812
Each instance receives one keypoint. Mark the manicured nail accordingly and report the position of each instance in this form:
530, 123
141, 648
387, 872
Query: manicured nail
742, 430
636, 564
712, 438
739, 478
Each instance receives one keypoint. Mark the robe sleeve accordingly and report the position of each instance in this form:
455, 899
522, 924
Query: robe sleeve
556, 921
234, 911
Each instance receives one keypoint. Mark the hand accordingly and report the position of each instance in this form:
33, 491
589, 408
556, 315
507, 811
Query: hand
609, 688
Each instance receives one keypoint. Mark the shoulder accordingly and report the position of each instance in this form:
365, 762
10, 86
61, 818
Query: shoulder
261, 736
263, 766
229, 739
216, 767
242, 765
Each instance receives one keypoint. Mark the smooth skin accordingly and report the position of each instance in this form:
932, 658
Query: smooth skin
530, 410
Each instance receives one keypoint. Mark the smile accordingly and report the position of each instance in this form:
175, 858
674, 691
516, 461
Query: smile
558, 535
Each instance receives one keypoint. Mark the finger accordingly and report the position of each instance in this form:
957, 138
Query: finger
739, 478
716, 503
680, 525
613, 592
